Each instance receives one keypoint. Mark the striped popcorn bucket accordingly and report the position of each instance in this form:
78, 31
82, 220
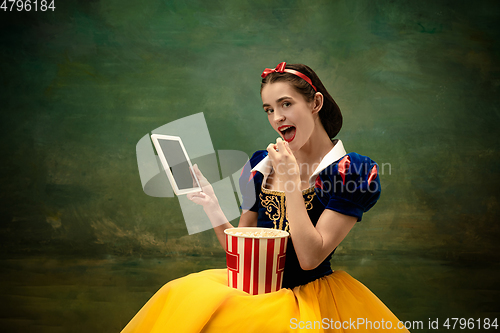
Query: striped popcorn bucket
255, 259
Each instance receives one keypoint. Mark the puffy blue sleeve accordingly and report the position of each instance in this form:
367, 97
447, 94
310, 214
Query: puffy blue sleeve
251, 182
350, 186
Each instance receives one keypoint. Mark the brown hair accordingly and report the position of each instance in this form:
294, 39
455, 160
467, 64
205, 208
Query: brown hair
330, 115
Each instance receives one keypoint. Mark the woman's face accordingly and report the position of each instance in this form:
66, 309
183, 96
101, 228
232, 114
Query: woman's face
289, 113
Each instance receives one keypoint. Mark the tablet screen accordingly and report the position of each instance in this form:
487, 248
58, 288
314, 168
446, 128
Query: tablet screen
177, 162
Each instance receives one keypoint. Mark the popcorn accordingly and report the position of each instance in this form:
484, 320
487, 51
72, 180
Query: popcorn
263, 233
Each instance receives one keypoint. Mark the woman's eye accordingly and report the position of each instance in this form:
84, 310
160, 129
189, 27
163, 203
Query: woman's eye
268, 111
286, 104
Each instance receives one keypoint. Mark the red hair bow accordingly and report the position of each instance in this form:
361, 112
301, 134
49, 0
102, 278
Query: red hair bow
281, 69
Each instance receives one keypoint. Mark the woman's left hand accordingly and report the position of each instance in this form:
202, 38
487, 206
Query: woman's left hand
284, 162
207, 197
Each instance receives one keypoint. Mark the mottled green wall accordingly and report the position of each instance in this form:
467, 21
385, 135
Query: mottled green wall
418, 84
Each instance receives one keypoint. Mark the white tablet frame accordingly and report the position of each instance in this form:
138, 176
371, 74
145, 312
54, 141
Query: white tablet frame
166, 167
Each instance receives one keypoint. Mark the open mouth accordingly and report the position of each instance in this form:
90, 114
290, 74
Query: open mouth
287, 132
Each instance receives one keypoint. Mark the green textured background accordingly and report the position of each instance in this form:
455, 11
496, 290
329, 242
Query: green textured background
82, 246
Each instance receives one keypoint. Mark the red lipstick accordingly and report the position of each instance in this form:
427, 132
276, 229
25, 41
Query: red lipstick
287, 132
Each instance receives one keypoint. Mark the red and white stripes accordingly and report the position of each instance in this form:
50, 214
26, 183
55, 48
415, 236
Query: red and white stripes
255, 265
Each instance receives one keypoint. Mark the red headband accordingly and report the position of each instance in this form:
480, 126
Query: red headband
281, 69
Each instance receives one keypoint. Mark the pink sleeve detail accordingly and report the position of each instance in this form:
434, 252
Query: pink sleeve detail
373, 174
344, 164
318, 183
252, 175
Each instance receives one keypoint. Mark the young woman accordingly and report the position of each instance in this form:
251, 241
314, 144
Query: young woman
306, 184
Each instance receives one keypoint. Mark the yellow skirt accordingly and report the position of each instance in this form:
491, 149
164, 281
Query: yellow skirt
202, 302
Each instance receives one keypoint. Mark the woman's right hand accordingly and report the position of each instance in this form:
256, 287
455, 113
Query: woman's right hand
207, 197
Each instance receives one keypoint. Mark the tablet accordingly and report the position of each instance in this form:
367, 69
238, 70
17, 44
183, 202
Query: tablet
176, 162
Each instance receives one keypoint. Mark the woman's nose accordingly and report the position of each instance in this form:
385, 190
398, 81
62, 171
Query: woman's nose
278, 118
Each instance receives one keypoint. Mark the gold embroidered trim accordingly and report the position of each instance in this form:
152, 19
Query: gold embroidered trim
308, 201
269, 202
282, 193
275, 203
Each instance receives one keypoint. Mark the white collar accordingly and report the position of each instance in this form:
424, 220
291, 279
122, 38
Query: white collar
336, 153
